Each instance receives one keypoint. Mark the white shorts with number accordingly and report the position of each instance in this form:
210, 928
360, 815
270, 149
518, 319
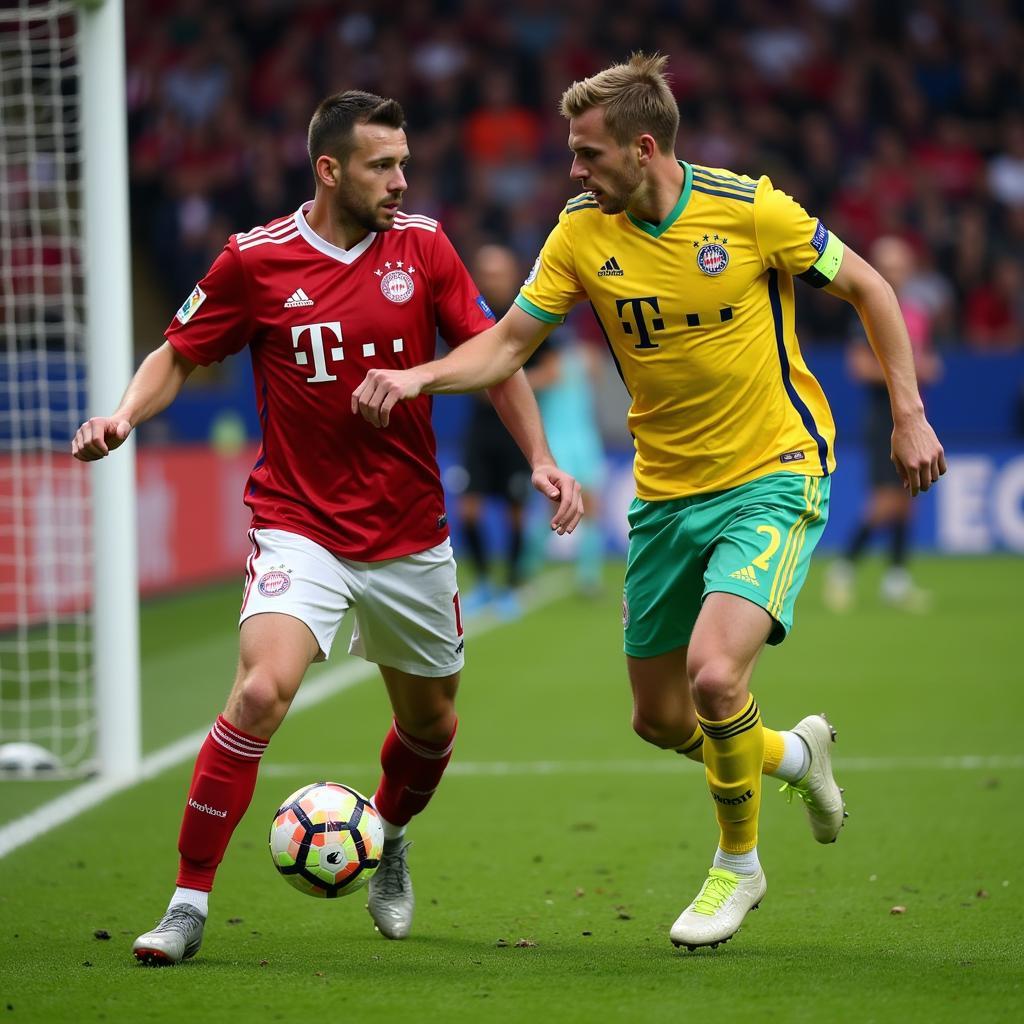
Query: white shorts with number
407, 609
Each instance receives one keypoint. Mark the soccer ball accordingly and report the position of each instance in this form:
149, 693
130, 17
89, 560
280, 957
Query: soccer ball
326, 839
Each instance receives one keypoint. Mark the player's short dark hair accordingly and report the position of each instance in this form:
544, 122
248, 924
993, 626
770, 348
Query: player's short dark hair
636, 99
330, 130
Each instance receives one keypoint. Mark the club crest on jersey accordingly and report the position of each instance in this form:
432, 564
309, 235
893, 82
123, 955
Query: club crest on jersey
274, 582
712, 258
191, 304
396, 285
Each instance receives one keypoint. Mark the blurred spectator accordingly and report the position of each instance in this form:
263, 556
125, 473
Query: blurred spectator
994, 320
563, 375
888, 118
1006, 168
493, 466
889, 505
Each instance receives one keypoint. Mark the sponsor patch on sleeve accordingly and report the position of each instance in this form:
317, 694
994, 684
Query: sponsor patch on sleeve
484, 308
191, 304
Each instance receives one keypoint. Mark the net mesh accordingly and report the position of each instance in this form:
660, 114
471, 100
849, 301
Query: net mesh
45, 542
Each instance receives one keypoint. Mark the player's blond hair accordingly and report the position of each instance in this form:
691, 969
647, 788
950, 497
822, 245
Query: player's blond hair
635, 97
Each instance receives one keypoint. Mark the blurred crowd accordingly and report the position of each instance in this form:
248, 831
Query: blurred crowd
882, 117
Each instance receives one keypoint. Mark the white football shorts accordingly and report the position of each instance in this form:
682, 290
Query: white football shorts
407, 612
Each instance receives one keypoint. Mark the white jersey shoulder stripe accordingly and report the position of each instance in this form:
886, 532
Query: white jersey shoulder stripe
273, 227
416, 225
270, 230
267, 241
417, 217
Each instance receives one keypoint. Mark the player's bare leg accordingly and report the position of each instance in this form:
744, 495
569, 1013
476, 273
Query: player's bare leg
415, 754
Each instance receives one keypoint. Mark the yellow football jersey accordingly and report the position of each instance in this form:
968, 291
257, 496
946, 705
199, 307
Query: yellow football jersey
698, 313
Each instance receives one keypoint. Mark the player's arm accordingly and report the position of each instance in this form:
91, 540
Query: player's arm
155, 385
916, 450
481, 362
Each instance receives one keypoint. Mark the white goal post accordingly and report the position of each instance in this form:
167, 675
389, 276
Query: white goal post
69, 649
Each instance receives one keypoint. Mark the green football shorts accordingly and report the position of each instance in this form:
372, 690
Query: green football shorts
754, 541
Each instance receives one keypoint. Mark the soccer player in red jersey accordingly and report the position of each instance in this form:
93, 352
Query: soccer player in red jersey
343, 515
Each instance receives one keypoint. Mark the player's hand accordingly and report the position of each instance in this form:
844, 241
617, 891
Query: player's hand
917, 455
98, 437
381, 391
557, 485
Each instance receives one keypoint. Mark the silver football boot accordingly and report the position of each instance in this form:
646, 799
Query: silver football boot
390, 901
177, 937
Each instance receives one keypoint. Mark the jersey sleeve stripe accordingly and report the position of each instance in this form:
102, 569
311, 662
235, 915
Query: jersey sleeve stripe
276, 240
582, 206
775, 300
749, 198
415, 218
415, 225
535, 311
278, 228
701, 174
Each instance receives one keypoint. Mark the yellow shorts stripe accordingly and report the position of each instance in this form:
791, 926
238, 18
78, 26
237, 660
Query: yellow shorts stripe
794, 544
810, 518
785, 551
786, 576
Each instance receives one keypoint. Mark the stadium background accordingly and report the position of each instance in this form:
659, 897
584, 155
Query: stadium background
556, 825
901, 118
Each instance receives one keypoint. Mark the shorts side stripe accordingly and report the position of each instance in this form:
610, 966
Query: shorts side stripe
814, 516
250, 570
785, 551
787, 569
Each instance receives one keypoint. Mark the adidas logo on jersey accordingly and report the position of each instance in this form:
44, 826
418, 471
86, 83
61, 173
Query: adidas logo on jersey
746, 574
611, 268
298, 298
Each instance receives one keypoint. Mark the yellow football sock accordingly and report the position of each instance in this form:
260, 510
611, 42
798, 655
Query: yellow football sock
774, 747
693, 748
733, 757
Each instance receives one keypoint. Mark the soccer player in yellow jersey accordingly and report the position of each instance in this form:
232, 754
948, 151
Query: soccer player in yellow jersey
690, 271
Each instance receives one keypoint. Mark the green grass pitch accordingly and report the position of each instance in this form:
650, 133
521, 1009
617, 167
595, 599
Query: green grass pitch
557, 826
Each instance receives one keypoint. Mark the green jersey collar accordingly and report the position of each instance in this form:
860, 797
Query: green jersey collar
657, 230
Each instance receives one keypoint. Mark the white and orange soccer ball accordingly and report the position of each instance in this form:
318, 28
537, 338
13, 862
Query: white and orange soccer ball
326, 839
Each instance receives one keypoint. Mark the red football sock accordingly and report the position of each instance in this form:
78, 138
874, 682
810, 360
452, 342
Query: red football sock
222, 787
412, 771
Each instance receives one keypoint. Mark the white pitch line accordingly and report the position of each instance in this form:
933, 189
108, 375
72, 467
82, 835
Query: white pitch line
314, 691
661, 766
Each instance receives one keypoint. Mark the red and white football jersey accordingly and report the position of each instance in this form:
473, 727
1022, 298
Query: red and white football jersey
315, 319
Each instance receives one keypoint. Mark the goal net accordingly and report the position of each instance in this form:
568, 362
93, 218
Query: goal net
46, 649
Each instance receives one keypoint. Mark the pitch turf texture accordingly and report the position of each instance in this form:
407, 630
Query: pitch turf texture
560, 848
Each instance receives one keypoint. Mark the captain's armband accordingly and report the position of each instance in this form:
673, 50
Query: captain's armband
830, 251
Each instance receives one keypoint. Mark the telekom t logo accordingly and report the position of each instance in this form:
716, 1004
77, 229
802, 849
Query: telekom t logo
644, 328
324, 342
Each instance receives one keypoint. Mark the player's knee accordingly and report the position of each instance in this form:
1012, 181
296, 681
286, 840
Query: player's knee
432, 725
715, 682
258, 703
655, 730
